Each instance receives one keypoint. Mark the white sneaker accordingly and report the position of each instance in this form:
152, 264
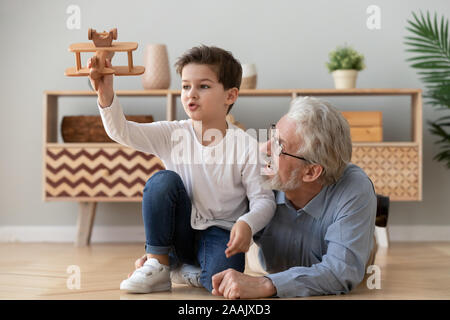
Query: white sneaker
187, 274
151, 277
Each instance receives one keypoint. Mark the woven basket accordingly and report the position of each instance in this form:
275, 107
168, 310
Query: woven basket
90, 128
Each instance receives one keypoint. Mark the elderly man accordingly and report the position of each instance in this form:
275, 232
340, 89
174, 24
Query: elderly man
321, 236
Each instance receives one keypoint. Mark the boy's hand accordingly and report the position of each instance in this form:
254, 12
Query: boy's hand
139, 263
105, 89
240, 239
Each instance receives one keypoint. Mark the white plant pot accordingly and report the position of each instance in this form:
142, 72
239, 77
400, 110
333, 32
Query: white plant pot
345, 79
249, 76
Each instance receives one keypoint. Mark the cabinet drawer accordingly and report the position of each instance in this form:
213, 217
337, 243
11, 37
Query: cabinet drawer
97, 173
394, 170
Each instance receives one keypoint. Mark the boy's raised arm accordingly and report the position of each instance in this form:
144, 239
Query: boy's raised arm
152, 138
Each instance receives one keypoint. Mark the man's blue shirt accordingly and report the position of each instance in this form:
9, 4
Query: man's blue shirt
322, 248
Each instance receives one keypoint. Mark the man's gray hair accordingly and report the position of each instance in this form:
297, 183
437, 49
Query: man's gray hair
325, 134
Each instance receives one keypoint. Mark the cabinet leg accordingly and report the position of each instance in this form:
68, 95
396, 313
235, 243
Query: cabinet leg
86, 216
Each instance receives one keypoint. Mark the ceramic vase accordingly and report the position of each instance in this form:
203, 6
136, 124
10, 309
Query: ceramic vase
157, 71
345, 79
249, 76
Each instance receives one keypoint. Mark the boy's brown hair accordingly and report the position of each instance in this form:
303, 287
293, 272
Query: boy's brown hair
226, 67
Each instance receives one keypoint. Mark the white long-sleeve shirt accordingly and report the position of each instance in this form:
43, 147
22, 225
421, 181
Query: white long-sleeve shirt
223, 181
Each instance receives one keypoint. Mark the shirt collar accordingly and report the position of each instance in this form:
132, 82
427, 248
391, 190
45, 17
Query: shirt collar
314, 207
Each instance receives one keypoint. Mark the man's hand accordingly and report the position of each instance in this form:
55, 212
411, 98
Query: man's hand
240, 239
232, 284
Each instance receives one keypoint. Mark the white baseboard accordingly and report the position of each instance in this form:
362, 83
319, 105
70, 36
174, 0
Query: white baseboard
68, 234
419, 233
137, 234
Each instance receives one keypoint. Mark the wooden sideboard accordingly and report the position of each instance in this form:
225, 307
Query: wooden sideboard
89, 173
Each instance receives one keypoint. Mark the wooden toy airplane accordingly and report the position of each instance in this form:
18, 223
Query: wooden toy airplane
104, 49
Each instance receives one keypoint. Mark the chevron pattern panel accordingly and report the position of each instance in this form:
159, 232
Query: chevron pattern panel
97, 172
394, 171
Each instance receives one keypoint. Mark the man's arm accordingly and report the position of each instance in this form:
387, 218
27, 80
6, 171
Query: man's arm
343, 266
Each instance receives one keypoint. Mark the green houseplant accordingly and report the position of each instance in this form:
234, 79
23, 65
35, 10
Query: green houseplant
344, 64
431, 45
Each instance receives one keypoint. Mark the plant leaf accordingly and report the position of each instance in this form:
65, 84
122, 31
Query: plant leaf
430, 46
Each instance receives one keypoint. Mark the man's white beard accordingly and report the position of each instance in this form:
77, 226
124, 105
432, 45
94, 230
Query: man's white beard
274, 182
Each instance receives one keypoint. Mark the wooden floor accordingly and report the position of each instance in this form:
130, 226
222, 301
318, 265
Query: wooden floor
39, 271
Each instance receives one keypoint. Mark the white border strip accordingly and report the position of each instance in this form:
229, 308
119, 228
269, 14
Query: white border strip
102, 234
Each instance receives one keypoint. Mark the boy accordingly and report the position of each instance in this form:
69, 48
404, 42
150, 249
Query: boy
189, 209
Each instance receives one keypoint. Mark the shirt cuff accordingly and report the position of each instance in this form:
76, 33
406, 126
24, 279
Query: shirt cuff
244, 218
281, 283
275, 295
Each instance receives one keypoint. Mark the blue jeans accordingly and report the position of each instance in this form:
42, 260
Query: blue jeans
166, 211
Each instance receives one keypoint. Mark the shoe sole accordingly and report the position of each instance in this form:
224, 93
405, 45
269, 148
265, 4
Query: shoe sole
183, 281
136, 288
176, 279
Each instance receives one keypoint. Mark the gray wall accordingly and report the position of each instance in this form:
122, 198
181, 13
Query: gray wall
288, 40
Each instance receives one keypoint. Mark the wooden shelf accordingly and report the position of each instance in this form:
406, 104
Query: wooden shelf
115, 144
257, 92
87, 93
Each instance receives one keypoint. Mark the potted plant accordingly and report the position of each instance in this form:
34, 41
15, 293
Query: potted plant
344, 64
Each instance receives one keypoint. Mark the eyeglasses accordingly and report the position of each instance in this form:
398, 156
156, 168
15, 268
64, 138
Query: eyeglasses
277, 147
